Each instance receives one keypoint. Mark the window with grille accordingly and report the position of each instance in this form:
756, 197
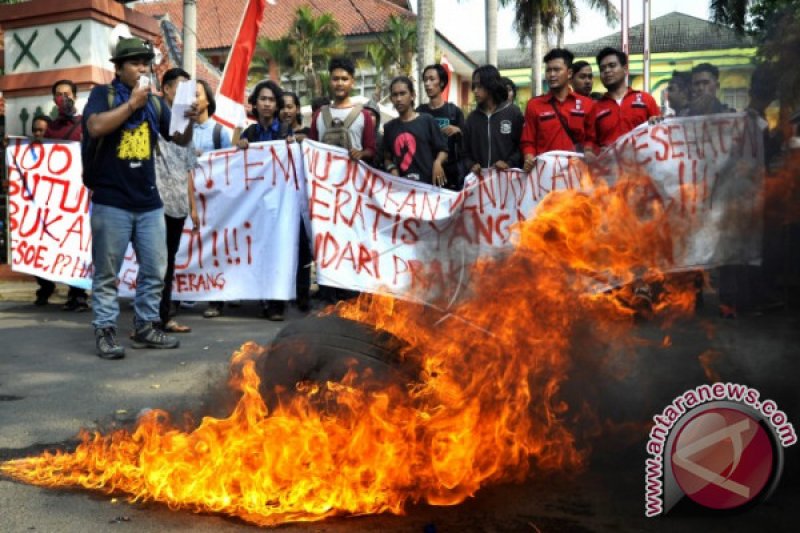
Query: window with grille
735, 98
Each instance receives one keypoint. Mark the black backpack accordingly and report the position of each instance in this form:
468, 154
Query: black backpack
90, 148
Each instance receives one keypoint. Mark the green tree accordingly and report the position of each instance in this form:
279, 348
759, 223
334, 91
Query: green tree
270, 51
314, 40
378, 57
400, 40
305, 49
774, 25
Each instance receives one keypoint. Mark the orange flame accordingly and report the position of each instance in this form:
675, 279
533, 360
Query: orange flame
707, 360
487, 408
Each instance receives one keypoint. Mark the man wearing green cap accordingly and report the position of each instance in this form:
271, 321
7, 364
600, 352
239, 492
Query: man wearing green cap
121, 123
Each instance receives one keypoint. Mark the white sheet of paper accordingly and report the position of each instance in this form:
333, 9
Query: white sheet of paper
185, 96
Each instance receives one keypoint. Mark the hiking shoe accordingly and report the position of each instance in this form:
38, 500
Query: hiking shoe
107, 346
150, 336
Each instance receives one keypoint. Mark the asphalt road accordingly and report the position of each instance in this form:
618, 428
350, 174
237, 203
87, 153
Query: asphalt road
52, 384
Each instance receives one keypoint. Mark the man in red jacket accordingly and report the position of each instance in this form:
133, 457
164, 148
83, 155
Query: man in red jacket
558, 120
621, 108
616, 113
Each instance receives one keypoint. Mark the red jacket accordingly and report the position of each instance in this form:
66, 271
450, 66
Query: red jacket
544, 132
64, 128
612, 120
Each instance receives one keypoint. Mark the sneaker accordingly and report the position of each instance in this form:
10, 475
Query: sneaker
42, 298
83, 304
107, 346
304, 303
213, 311
150, 336
273, 311
79, 304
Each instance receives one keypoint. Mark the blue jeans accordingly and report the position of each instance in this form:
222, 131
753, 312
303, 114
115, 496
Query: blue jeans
112, 230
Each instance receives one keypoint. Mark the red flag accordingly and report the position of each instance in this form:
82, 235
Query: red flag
449, 68
231, 92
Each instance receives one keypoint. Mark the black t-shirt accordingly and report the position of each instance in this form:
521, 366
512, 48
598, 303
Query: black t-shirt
446, 115
414, 145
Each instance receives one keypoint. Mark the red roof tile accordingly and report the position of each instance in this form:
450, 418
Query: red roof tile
218, 20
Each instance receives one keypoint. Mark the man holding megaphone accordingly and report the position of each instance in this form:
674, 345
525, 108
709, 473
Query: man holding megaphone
121, 124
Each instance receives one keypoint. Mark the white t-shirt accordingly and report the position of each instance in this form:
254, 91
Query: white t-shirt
356, 131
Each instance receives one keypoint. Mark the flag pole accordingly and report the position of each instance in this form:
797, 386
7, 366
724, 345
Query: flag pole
233, 84
646, 47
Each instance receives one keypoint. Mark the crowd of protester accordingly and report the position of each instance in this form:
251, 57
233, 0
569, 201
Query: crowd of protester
143, 194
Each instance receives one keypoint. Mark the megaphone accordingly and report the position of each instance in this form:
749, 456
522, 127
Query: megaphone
120, 31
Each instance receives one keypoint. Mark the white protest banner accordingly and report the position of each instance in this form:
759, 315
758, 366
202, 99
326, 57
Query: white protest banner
377, 233
708, 172
249, 203
48, 210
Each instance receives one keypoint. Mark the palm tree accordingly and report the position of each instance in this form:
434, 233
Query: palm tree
401, 41
308, 46
313, 41
534, 17
379, 58
269, 51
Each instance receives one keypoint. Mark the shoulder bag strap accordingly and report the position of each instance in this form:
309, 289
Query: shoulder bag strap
217, 136
352, 116
327, 117
564, 124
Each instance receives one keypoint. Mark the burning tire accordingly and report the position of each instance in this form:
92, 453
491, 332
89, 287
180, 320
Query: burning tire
325, 348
